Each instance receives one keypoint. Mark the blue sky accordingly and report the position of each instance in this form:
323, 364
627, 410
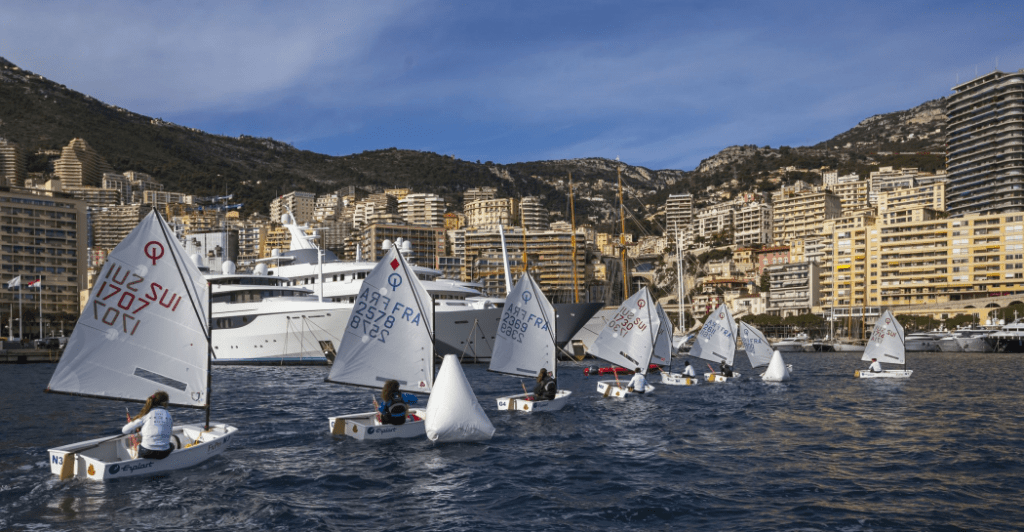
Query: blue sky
660, 84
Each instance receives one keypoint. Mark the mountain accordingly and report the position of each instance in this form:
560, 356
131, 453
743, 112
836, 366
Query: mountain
43, 116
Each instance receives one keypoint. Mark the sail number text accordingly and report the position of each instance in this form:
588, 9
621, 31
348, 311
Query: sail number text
374, 315
625, 321
123, 294
516, 321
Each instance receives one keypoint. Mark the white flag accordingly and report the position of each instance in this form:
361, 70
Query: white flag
14, 283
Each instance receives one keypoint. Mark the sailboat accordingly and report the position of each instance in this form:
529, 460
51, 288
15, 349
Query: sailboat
667, 377
628, 340
760, 353
716, 342
526, 344
145, 328
886, 344
390, 335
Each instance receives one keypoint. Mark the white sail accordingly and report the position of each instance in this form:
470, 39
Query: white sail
662, 354
526, 335
453, 412
390, 333
145, 326
886, 342
759, 351
716, 340
777, 370
628, 338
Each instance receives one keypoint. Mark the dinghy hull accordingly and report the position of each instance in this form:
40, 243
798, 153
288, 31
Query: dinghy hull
886, 374
678, 379
718, 378
366, 426
612, 389
106, 459
522, 403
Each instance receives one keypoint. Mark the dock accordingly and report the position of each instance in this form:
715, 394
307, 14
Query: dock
29, 356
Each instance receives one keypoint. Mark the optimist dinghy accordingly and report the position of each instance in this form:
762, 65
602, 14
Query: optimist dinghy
760, 353
390, 335
526, 344
145, 328
628, 340
886, 344
716, 342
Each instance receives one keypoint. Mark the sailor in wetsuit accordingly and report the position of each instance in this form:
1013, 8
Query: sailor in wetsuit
546, 387
156, 424
395, 404
725, 370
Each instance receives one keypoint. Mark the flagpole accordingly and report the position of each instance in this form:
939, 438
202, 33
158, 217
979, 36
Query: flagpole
21, 320
39, 282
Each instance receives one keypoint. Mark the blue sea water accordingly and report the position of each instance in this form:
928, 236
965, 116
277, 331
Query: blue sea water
941, 451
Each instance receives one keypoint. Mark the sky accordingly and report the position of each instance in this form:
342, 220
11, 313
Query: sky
662, 85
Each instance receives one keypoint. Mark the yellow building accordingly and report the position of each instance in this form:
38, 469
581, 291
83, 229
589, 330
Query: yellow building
931, 260
801, 215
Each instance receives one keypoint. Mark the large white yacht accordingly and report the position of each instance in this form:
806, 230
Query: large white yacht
259, 319
466, 321
794, 344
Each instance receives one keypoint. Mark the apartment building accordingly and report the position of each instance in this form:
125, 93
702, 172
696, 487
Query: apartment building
886, 178
844, 274
794, 288
80, 165
301, 204
488, 214
422, 209
379, 208
478, 194
549, 255
802, 214
899, 206
427, 242
532, 214
327, 207
43, 236
985, 144
854, 194
752, 224
714, 220
12, 164
679, 215
109, 224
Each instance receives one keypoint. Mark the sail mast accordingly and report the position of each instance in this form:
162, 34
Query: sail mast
622, 235
209, 348
572, 216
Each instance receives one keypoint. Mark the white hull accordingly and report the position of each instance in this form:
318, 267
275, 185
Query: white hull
106, 460
678, 379
718, 378
849, 348
611, 389
793, 347
885, 374
949, 345
523, 403
366, 426
279, 332
921, 344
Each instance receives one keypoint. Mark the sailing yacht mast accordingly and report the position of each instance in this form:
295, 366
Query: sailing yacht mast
572, 216
680, 284
622, 235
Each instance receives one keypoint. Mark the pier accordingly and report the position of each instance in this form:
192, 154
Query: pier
29, 356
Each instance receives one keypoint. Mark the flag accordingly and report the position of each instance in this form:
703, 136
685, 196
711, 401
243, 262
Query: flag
14, 283
38, 283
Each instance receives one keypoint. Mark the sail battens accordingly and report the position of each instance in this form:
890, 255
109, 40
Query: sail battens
155, 377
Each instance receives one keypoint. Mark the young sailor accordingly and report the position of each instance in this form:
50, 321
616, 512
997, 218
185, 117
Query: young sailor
725, 370
638, 384
546, 387
875, 367
688, 370
156, 425
394, 407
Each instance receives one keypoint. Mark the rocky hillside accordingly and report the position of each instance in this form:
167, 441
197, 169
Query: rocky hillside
43, 116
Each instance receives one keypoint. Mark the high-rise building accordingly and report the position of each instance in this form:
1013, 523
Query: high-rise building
12, 164
985, 145
422, 209
477, 194
799, 215
488, 214
679, 214
44, 238
301, 204
532, 214
80, 165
